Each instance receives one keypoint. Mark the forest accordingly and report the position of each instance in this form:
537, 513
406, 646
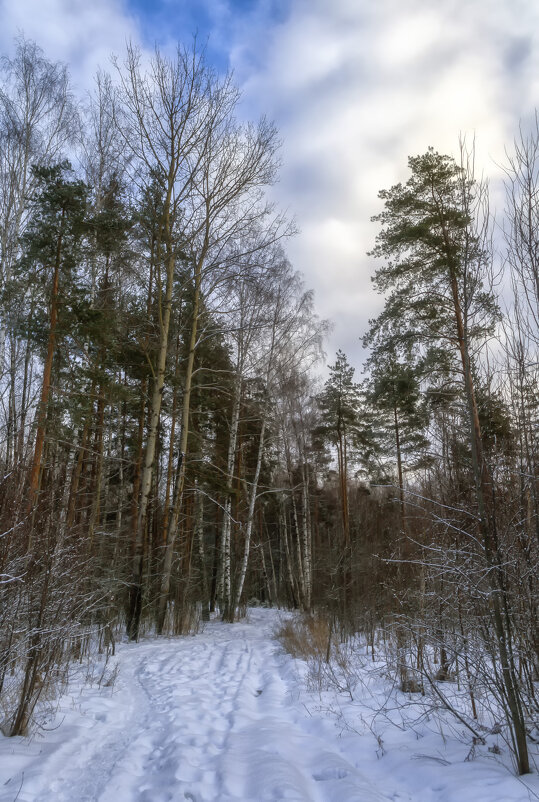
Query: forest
168, 450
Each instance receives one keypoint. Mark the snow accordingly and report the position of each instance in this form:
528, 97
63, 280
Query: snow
226, 716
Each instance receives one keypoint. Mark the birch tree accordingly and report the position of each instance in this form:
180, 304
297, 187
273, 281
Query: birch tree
290, 342
38, 120
177, 119
164, 112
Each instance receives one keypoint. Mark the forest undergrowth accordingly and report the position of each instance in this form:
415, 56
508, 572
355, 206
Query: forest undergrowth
357, 679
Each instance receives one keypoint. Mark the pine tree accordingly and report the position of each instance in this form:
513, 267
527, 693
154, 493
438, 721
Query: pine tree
436, 270
393, 392
51, 254
340, 407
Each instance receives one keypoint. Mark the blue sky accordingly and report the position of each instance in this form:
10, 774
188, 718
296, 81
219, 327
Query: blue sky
216, 23
354, 87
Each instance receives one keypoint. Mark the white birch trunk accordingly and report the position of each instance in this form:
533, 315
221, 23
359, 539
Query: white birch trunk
291, 579
301, 577
225, 569
250, 515
306, 541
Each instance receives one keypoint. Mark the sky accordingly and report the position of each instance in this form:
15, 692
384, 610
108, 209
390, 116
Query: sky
355, 88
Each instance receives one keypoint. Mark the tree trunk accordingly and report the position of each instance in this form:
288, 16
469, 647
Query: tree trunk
250, 518
225, 567
306, 540
174, 515
485, 500
47, 371
135, 604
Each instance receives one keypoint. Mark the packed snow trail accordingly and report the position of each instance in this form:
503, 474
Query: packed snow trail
210, 718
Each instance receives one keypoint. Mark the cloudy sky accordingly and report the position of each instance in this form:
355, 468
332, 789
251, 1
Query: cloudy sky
354, 86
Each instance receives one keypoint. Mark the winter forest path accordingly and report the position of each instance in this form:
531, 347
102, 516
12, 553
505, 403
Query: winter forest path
210, 718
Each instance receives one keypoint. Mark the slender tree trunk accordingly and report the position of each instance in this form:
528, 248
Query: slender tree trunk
291, 578
170, 463
75, 478
299, 576
199, 539
399, 470
306, 540
95, 508
24, 396
33, 483
250, 517
225, 568
216, 563
174, 515
165, 307
487, 518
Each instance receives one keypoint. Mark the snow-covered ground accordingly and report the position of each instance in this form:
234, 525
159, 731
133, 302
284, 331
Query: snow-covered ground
225, 716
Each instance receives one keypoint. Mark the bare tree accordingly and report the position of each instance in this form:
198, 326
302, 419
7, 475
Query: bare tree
38, 121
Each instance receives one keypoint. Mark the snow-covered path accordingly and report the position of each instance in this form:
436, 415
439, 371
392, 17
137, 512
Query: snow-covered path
214, 718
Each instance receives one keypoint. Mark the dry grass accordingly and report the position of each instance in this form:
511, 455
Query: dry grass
304, 637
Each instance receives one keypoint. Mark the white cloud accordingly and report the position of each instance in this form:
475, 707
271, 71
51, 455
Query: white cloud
79, 33
355, 89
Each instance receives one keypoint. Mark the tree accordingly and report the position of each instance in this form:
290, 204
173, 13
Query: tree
341, 409
340, 404
394, 394
291, 334
522, 329
163, 113
233, 164
177, 119
37, 120
52, 244
436, 271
